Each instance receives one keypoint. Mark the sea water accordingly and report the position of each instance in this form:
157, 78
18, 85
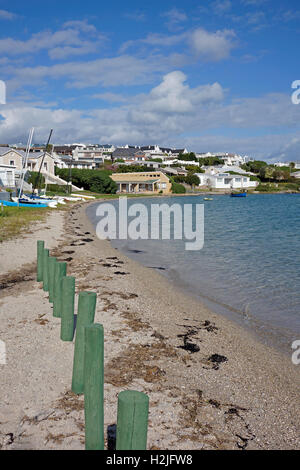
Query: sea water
248, 268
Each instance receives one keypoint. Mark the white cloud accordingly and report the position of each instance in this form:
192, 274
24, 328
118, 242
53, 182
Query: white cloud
169, 112
206, 45
7, 15
155, 39
120, 70
174, 18
213, 46
136, 16
289, 152
221, 6
172, 95
111, 97
70, 40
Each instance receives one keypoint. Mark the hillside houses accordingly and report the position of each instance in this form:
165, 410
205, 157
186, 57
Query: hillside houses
12, 162
132, 154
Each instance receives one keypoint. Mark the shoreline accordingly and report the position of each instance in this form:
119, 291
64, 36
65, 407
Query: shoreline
170, 283
264, 332
236, 335
228, 391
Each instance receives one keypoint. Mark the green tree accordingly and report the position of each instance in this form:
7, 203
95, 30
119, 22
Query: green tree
192, 180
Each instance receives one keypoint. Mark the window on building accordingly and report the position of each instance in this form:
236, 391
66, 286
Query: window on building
12, 163
45, 166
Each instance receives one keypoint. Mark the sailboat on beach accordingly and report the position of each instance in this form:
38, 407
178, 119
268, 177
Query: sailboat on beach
32, 201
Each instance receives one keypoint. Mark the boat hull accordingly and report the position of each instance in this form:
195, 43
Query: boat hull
16, 204
238, 194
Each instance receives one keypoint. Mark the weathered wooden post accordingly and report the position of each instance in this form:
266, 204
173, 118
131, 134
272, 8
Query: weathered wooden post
40, 259
46, 271
94, 387
60, 272
52, 263
67, 310
132, 422
85, 317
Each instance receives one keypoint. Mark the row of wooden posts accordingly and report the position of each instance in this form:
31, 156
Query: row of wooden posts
88, 363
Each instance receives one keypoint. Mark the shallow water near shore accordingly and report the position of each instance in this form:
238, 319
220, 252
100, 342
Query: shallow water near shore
248, 268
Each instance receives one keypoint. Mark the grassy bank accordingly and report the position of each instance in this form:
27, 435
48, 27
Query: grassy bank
278, 187
14, 220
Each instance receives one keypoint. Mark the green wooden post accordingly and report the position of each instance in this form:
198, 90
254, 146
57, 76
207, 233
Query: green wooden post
132, 422
52, 263
67, 311
40, 258
85, 317
94, 387
46, 271
60, 272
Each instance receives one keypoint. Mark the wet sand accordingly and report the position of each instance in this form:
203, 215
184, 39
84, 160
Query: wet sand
211, 384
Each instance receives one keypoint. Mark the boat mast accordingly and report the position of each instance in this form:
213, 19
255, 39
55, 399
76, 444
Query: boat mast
41, 165
25, 163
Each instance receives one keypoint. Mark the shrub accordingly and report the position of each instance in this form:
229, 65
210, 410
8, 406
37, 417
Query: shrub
33, 177
56, 188
178, 188
97, 181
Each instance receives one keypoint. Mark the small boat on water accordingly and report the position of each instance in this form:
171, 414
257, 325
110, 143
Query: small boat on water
208, 199
241, 194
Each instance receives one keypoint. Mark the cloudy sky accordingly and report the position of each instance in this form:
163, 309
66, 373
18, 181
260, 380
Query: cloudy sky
212, 75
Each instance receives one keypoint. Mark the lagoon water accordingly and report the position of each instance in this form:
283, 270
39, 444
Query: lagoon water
249, 266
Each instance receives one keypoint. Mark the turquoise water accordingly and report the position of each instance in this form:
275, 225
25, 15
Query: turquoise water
248, 268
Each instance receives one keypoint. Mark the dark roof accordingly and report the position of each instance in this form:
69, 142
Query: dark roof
148, 147
125, 152
64, 148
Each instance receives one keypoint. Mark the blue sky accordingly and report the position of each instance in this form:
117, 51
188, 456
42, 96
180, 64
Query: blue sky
207, 75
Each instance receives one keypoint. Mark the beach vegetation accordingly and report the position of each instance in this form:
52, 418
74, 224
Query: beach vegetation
187, 157
278, 187
178, 188
37, 181
97, 181
192, 180
211, 161
15, 220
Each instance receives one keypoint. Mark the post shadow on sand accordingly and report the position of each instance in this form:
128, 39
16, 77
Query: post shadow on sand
111, 436
75, 324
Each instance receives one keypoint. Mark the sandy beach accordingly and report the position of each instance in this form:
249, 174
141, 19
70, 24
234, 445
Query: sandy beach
212, 385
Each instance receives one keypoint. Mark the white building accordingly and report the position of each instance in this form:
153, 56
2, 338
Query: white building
7, 176
226, 181
230, 159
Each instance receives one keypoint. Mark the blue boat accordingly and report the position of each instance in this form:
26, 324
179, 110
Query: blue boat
238, 194
30, 205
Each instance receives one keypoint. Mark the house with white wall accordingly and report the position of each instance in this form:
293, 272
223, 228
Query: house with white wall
7, 176
11, 157
226, 181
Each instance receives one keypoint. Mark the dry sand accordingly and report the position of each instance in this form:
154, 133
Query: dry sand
249, 401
